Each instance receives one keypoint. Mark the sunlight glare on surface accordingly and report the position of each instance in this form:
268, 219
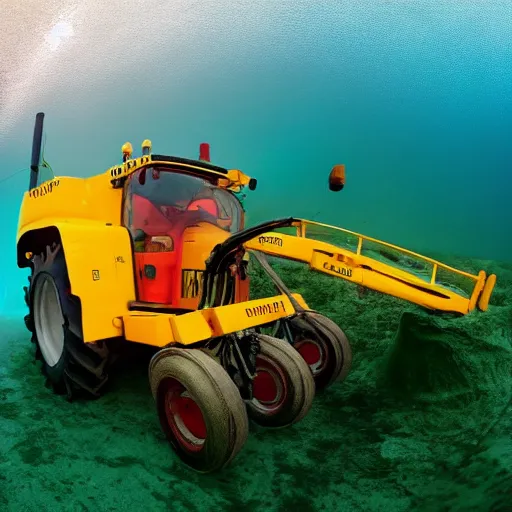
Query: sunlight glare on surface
29, 57
60, 32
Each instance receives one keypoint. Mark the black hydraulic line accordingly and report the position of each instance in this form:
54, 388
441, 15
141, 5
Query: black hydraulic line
223, 255
278, 282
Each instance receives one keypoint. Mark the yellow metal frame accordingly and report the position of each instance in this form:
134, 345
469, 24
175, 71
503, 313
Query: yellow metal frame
160, 329
370, 273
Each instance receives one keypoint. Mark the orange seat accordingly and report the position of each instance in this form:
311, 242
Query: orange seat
208, 205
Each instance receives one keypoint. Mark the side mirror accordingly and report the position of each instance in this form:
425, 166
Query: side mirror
252, 184
142, 177
337, 178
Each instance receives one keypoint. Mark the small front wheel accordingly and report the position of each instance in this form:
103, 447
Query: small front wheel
283, 387
199, 407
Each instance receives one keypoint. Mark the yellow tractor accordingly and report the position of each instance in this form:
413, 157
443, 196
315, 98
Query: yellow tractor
155, 251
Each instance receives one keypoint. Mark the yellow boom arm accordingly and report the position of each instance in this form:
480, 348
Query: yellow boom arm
379, 266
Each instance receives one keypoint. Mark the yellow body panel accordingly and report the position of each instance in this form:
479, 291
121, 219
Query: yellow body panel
160, 329
198, 242
91, 199
100, 267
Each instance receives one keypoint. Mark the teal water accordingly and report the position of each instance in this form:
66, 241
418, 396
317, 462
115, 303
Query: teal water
414, 97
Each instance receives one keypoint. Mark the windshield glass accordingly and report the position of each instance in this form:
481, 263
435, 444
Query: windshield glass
155, 197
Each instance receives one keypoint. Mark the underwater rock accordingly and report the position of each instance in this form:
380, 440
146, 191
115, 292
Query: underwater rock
443, 357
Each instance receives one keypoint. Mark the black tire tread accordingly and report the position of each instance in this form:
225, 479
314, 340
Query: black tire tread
85, 373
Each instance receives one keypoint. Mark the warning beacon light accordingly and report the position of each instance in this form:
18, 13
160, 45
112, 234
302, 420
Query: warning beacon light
146, 147
337, 178
127, 150
204, 152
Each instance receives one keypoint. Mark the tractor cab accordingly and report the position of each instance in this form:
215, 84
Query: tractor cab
176, 214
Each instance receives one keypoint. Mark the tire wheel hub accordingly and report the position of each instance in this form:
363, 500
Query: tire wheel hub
269, 386
48, 320
185, 417
313, 353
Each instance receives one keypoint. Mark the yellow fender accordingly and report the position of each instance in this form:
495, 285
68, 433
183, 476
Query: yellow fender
100, 267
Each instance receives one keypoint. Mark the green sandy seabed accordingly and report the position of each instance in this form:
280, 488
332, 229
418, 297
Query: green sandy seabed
423, 422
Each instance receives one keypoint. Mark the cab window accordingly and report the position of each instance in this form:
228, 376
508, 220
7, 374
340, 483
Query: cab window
158, 200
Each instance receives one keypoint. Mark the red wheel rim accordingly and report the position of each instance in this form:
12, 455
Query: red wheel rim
269, 386
184, 417
314, 353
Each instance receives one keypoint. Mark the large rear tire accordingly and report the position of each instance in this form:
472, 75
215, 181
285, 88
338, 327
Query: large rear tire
70, 366
283, 388
199, 407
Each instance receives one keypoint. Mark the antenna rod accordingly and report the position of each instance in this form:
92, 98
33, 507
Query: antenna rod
36, 150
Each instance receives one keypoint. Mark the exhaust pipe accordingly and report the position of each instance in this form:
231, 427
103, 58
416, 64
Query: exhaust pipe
36, 150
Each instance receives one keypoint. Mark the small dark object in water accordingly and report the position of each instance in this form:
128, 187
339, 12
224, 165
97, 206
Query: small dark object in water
337, 178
